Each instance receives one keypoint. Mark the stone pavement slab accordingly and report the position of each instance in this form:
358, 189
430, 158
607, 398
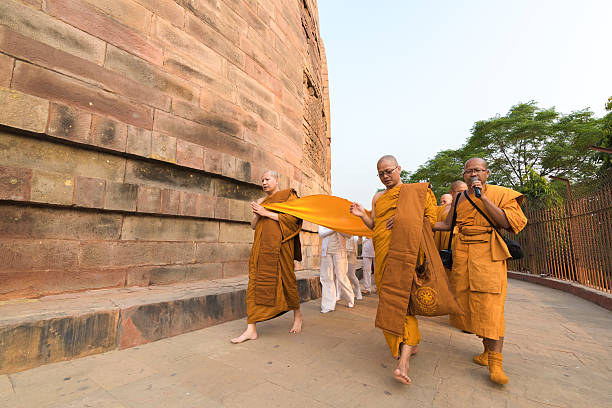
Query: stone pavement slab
558, 353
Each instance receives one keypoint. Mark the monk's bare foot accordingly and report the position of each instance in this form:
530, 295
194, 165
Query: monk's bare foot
401, 372
249, 334
415, 349
297, 322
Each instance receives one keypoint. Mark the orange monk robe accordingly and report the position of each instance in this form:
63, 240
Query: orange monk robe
272, 288
385, 208
479, 274
441, 238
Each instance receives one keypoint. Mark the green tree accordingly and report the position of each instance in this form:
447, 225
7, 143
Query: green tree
606, 138
441, 171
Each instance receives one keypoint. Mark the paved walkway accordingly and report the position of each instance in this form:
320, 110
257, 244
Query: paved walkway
558, 354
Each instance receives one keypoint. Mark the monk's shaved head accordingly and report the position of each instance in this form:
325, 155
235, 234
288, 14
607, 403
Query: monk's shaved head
446, 199
271, 173
388, 159
458, 185
476, 161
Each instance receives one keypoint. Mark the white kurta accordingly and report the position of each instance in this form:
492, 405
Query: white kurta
333, 259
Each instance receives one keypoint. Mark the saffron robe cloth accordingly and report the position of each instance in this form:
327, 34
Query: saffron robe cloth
479, 275
385, 208
272, 288
441, 238
326, 210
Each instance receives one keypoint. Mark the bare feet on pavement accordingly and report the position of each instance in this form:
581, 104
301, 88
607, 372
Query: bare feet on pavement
401, 372
297, 322
249, 334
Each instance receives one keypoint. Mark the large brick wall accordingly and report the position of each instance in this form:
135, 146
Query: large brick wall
133, 134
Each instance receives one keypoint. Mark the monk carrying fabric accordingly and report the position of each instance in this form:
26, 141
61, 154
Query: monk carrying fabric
272, 288
441, 237
384, 206
479, 274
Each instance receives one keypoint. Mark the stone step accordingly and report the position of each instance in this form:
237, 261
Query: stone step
34, 332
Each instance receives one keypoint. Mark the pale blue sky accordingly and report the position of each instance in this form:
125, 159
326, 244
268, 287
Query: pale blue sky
410, 78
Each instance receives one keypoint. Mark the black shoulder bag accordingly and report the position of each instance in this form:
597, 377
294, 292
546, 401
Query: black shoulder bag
447, 254
513, 246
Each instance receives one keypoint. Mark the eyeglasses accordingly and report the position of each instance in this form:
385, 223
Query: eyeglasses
387, 172
474, 171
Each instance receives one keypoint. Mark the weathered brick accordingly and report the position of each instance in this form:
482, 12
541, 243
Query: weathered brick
96, 253
170, 201
213, 120
108, 133
256, 71
229, 166
189, 154
211, 102
51, 188
185, 129
266, 114
209, 271
148, 74
121, 196
89, 192
93, 22
243, 170
248, 211
189, 204
23, 111
44, 28
236, 210
166, 9
149, 199
260, 53
163, 147
199, 73
28, 254
138, 141
237, 191
44, 55
6, 70
164, 176
69, 123
234, 146
248, 84
126, 12
50, 85
34, 222
15, 183
213, 161
222, 208
21, 151
153, 253
169, 229
207, 206
232, 269
209, 37
235, 232
222, 252
210, 15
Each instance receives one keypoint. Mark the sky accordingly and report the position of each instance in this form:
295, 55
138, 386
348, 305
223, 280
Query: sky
410, 77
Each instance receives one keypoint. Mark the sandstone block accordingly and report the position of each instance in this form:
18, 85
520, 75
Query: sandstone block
90, 20
121, 196
138, 141
69, 123
256, 71
149, 199
222, 252
126, 12
232, 269
15, 183
208, 271
170, 201
36, 254
164, 176
166, 9
89, 192
51, 188
163, 147
235, 232
6, 70
236, 210
246, 83
222, 208
53, 86
185, 129
214, 40
23, 111
189, 154
207, 206
169, 229
108, 133
212, 120
229, 166
152, 253
243, 170
42, 27
211, 102
208, 74
213, 161
189, 204
268, 115
211, 14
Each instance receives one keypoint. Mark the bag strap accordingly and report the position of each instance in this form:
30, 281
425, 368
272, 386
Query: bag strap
480, 211
450, 240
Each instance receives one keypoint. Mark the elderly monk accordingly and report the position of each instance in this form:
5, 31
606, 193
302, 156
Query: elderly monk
384, 205
479, 275
272, 288
441, 238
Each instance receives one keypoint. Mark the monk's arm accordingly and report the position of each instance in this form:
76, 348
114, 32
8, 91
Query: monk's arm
498, 215
358, 211
446, 224
261, 211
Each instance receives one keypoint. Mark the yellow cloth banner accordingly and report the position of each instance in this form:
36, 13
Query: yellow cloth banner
326, 210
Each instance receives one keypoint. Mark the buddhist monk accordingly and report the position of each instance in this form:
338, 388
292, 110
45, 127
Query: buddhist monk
384, 205
272, 288
441, 237
479, 273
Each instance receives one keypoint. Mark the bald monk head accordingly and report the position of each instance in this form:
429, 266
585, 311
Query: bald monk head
446, 199
389, 171
269, 182
475, 167
457, 186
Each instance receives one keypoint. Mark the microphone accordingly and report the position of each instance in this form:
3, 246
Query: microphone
477, 191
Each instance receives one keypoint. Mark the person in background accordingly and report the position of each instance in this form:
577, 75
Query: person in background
334, 260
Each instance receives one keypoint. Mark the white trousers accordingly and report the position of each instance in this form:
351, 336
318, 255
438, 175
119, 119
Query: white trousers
337, 263
352, 268
368, 264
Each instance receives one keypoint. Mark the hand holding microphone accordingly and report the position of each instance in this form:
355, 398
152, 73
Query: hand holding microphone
477, 189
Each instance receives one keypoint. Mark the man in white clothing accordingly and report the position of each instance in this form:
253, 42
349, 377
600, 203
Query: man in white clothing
333, 259
351, 252
367, 255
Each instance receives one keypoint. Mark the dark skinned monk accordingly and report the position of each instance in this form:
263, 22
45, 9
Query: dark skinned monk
479, 275
384, 207
272, 288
